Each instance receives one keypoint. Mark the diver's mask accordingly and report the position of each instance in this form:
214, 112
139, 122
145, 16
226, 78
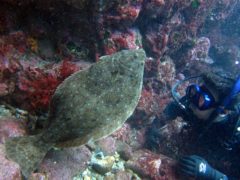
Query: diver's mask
195, 94
200, 97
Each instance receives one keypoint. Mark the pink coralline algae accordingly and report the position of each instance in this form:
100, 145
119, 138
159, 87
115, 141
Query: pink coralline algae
10, 127
123, 133
114, 22
37, 85
146, 101
200, 51
166, 72
151, 165
135, 138
11, 49
66, 163
157, 42
122, 40
21, 80
149, 107
155, 95
160, 76
125, 11
8, 169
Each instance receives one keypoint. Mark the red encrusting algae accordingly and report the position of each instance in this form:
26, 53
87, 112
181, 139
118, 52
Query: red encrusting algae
38, 85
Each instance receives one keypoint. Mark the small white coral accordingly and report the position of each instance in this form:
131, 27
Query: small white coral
200, 51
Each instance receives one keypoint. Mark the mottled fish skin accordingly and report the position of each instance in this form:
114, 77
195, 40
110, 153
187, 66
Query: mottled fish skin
88, 105
92, 104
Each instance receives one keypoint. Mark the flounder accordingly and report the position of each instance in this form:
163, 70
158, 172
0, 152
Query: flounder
89, 105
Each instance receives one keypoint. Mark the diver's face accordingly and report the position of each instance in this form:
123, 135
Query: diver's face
201, 114
204, 114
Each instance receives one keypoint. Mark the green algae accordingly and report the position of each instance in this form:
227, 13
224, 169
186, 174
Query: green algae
195, 4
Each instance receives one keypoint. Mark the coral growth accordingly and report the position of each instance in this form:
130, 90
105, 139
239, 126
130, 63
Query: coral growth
152, 166
22, 80
38, 85
11, 48
123, 133
122, 40
200, 51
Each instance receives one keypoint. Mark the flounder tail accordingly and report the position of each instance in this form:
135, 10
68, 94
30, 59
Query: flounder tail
28, 152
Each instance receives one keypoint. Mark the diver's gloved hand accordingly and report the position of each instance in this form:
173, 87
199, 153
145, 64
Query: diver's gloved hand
198, 168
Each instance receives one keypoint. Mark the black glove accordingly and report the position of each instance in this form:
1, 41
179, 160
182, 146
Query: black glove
198, 168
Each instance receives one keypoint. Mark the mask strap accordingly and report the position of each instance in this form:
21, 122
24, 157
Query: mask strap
234, 91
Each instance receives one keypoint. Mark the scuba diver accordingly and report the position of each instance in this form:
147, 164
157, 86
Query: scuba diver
213, 104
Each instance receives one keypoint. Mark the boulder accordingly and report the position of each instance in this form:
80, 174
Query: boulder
150, 165
8, 169
11, 127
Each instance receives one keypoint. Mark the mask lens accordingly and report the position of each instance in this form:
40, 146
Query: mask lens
205, 101
192, 91
200, 97
201, 101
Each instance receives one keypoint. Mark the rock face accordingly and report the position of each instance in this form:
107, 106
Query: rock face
102, 164
151, 165
87, 106
8, 169
10, 127
64, 164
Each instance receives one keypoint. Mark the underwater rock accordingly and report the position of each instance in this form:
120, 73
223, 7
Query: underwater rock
10, 127
124, 175
200, 51
160, 76
102, 164
5, 113
226, 55
124, 150
117, 41
46, 49
151, 165
107, 145
87, 106
38, 176
8, 169
171, 129
105, 167
138, 138
80, 4
170, 138
134, 137
123, 133
4, 89
46, 4
64, 164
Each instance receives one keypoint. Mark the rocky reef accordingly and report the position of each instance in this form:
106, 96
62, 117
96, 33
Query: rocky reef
44, 42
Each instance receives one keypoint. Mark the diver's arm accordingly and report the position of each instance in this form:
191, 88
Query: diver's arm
229, 126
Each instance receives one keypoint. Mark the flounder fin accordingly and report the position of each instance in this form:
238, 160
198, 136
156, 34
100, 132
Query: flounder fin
27, 151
